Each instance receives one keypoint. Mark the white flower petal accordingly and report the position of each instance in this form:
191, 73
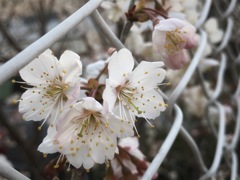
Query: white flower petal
77, 158
109, 95
88, 163
93, 69
47, 146
147, 75
131, 142
111, 148
40, 69
91, 104
120, 64
121, 128
34, 106
159, 39
169, 24
150, 104
98, 152
71, 64
73, 92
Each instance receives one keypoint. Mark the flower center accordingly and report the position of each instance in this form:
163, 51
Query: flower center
173, 41
89, 123
126, 95
55, 89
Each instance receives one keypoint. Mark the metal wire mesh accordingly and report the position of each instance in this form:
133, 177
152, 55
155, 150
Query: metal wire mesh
227, 53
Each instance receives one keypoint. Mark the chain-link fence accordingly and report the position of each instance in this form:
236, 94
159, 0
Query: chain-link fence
226, 82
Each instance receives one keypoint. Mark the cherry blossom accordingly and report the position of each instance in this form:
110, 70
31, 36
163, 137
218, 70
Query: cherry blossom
131, 93
170, 39
87, 134
52, 84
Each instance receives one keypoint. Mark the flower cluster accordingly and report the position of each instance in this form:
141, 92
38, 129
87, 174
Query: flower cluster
84, 128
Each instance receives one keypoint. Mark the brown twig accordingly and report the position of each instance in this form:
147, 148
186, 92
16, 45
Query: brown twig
127, 26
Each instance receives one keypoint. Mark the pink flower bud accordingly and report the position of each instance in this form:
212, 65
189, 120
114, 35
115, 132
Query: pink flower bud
178, 60
170, 38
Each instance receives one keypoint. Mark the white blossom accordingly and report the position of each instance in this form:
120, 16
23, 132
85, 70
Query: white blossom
87, 134
52, 85
131, 93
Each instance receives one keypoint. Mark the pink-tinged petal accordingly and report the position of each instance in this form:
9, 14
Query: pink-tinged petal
129, 143
178, 60
91, 104
128, 163
71, 65
117, 168
120, 64
40, 69
169, 24
178, 35
188, 33
192, 42
109, 96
